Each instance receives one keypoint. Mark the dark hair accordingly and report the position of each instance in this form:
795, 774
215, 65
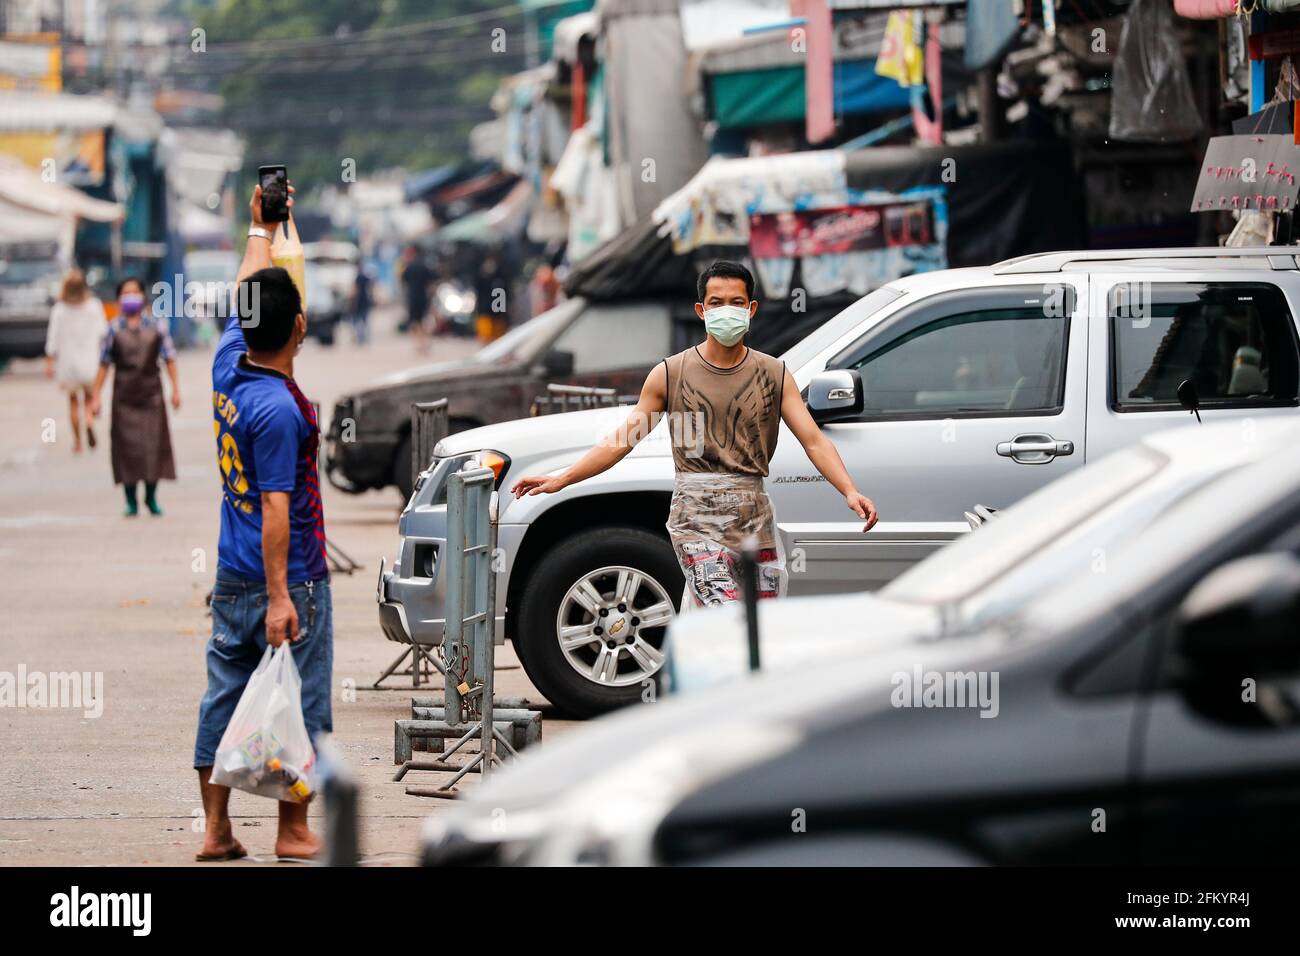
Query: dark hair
724, 269
268, 302
126, 282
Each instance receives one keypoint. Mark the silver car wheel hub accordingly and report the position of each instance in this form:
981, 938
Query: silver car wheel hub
611, 625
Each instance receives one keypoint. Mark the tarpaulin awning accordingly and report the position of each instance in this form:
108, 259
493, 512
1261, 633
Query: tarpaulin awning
638, 261
25, 188
487, 226
706, 23
477, 186
32, 210
570, 32
417, 185
761, 97
994, 208
549, 15
855, 38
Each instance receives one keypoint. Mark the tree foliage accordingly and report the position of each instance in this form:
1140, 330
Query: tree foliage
314, 83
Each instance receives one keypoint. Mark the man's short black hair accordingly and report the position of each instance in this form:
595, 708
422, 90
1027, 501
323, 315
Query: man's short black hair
724, 269
268, 304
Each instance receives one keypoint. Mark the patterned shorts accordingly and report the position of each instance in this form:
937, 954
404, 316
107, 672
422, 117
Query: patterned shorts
712, 519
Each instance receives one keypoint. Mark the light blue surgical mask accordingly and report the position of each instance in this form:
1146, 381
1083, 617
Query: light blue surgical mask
727, 323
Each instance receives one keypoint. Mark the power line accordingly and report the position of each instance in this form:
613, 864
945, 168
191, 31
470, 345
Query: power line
371, 34
342, 63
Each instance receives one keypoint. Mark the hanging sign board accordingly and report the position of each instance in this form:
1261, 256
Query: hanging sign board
1248, 172
820, 232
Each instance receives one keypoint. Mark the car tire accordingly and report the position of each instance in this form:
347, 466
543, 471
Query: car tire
402, 468
596, 556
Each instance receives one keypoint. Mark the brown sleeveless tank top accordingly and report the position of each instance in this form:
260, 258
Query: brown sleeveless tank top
724, 419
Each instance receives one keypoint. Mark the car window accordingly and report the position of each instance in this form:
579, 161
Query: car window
617, 335
975, 352
842, 323
1236, 341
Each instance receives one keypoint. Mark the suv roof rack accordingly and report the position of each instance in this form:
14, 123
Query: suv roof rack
1277, 257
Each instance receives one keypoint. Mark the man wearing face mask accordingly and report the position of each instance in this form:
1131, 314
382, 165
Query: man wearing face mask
272, 581
725, 403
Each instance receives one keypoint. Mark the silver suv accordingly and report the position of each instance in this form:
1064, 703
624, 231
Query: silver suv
940, 390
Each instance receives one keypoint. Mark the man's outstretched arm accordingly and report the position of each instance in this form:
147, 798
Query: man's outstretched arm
613, 447
822, 453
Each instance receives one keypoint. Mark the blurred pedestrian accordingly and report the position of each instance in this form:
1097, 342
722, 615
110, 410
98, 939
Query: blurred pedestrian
416, 277
361, 302
141, 442
72, 346
490, 298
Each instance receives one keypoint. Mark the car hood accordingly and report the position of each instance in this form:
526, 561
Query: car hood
527, 438
711, 647
641, 760
433, 372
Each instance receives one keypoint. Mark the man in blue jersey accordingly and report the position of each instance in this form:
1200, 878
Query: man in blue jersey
272, 580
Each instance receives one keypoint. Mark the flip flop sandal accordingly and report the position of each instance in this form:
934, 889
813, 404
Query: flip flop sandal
220, 857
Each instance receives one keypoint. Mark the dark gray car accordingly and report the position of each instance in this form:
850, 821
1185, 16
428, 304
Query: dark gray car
1143, 709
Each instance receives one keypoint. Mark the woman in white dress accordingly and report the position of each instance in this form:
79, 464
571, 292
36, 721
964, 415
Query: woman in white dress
72, 345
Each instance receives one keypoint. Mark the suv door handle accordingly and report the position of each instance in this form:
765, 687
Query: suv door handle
1034, 449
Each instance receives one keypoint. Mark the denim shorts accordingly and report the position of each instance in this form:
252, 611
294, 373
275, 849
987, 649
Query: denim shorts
238, 642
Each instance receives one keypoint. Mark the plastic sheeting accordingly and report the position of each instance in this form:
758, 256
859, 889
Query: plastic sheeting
1151, 98
1003, 200
991, 27
655, 143
712, 518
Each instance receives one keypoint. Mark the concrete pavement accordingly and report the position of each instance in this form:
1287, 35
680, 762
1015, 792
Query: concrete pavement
88, 590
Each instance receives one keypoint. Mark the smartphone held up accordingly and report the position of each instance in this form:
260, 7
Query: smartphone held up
286, 248
274, 181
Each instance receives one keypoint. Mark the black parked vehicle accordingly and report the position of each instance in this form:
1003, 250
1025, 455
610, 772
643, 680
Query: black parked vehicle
1144, 708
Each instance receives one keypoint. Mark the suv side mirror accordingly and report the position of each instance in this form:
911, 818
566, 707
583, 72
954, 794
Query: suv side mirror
1189, 396
557, 363
834, 395
1240, 621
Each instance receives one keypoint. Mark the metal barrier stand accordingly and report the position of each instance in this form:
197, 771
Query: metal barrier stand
429, 425
572, 398
468, 649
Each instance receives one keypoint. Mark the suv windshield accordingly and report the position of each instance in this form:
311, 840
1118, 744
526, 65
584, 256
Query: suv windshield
803, 350
523, 341
979, 559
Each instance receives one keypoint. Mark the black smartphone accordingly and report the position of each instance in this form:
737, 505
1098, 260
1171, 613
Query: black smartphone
274, 181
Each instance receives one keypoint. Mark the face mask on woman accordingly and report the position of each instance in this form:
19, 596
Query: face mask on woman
132, 303
727, 323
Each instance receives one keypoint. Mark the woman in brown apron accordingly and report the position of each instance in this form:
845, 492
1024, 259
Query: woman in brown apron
142, 444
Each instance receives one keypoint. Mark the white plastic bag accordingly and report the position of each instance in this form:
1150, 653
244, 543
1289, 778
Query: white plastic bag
266, 749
